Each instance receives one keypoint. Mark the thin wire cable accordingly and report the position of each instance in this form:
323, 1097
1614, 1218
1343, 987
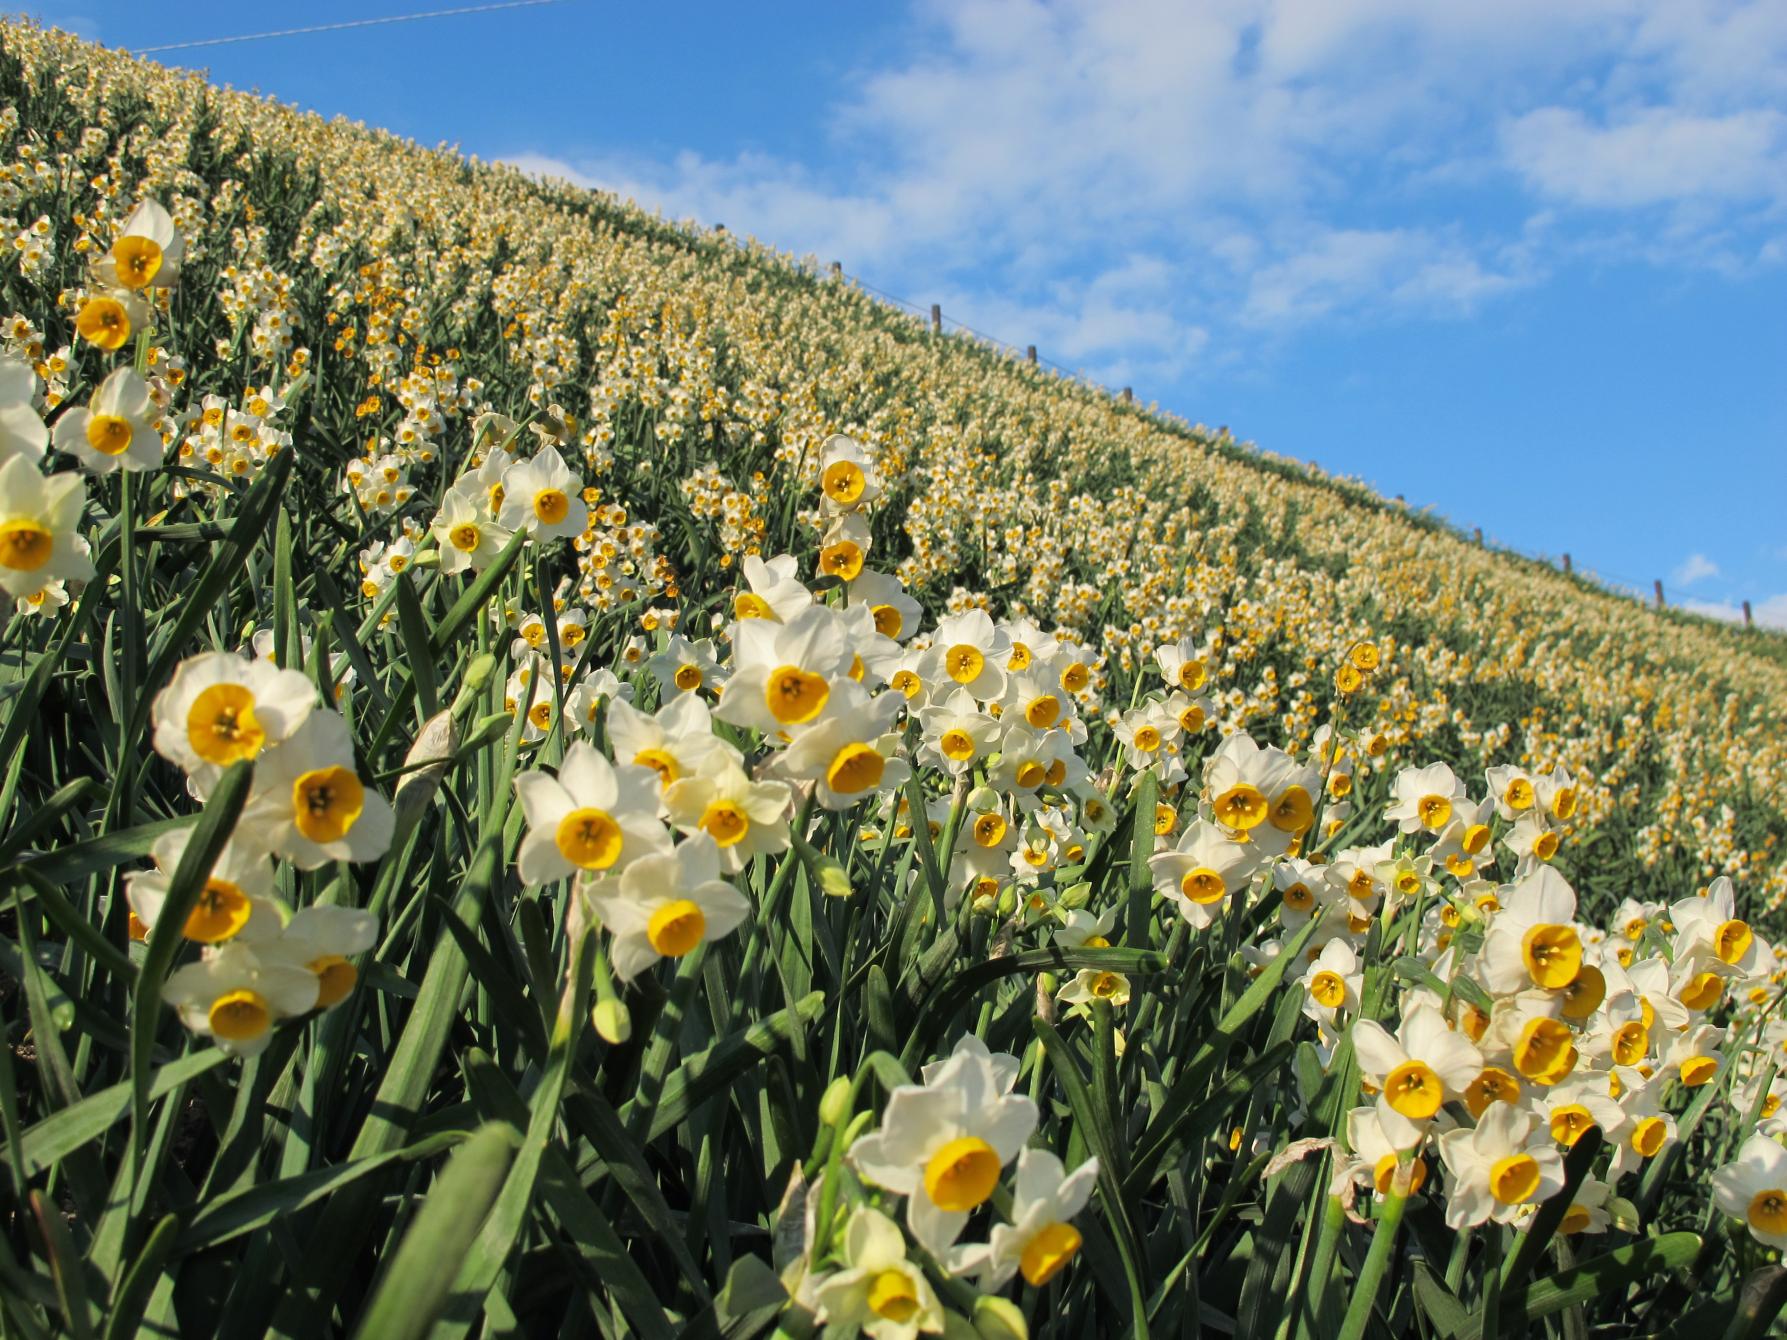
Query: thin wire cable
348, 23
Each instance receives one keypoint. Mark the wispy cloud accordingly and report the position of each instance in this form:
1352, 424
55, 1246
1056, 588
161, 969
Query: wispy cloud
1693, 568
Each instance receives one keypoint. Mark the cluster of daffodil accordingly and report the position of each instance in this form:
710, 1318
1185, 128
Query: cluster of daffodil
260, 962
1020, 465
941, 1147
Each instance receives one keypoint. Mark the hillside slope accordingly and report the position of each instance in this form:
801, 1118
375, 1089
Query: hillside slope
726, 363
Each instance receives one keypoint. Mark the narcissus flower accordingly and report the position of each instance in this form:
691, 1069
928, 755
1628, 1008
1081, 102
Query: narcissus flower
971, 649
220, 709
108, 318
1753, 1188
543, 497
146, 254
236, 996
849, 755
1204, 870
1416, 1071
743, 817
1533, 940
40, 520
324, 940
785, 673
879, 1292
1500, 1169
666, 903
308, 803
847, 479
467, 534
1039, 1241
238, 897
116, 429
594, 816
943, 1143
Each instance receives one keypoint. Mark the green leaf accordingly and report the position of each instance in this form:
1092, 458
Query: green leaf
1611, 1273
416, 1285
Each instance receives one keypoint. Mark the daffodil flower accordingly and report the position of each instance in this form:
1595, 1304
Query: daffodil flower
879, 1292
1416, 1071
1753, 1188
237, 997
220, 709
664, 904
40, 520
1501, 1169
1039, 1242
309, 805
239, 898
943, 1143
116, 429
594, 817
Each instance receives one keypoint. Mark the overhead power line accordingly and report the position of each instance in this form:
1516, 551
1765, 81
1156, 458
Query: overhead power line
349, 23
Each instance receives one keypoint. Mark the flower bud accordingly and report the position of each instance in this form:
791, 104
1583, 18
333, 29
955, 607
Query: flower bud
834, 1106
613, 1021
998, 1318
982, 800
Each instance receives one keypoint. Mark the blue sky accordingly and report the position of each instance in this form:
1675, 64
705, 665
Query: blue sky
1524, 263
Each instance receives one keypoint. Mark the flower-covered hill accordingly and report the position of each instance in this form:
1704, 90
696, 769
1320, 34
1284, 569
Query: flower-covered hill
358, 261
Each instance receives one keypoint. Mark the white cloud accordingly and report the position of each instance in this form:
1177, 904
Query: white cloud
1653, 156
1693, 568
1276, 162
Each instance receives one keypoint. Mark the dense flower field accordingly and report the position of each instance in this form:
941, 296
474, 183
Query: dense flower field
566, 775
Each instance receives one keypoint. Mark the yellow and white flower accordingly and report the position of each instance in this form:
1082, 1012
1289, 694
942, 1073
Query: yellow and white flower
542, 496
970, 649
1500, 1169
1416, 1072
468, 536
146, 254
323, 940
1039, 1241
879, 1292
772, 590
956, 734
220, 709
1533, 940
1203, 871
40, 519
784, 674
309, 805
22, 431
116, 429
666, 903
594, 816
850, 753
943, 1143
1753, 1188
238, 898
896, 614
743, 817
235, 996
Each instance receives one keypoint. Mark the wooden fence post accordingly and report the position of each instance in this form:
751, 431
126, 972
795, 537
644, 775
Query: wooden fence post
1128, 396
1749, 619
1030, 355
936, 319
1659, 593
1477, 535
1566, 563
837, 269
